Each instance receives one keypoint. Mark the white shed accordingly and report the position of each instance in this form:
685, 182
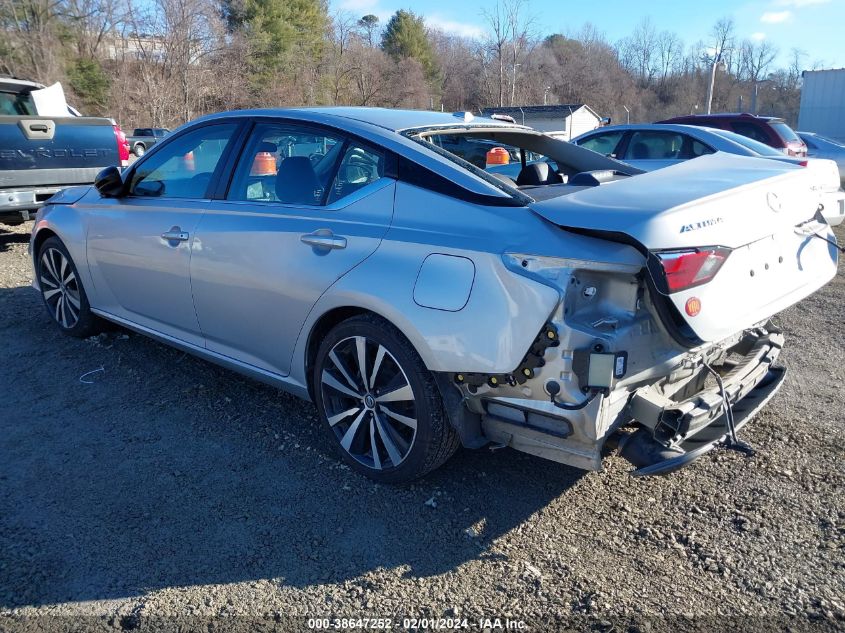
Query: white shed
564, 121
823, 103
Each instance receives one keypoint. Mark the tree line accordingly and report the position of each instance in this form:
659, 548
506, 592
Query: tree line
163, 62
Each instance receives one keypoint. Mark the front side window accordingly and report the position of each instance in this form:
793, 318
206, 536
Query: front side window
286, 164
603, 143
697, 148
183, 167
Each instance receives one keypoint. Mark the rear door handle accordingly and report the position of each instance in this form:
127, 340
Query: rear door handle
323, 239
175, 235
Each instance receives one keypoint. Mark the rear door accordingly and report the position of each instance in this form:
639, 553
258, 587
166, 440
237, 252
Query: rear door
140, 245
304, 207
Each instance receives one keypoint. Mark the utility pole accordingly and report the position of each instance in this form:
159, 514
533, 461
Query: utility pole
712, 82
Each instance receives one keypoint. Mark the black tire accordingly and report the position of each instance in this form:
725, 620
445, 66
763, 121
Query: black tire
139, 150
432, 441
73, 320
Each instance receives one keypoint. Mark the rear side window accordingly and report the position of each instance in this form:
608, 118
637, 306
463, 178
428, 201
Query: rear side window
183, 167
784, 131
360, 167
16, 104
655, 146
697, 148
751, 131
288, 164
602, 143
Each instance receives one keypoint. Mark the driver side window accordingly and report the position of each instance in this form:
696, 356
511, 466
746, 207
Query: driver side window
183, 167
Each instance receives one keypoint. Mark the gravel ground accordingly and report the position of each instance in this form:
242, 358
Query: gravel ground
169, 491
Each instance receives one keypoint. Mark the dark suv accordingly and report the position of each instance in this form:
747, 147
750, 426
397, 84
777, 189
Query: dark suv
769, 130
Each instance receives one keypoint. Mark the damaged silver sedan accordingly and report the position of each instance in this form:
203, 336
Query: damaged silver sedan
430, 280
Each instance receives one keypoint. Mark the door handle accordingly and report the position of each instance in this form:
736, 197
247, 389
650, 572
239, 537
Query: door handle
323, 239
175, 235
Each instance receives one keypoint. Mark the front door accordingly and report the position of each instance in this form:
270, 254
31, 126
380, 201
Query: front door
304, 207
140, 245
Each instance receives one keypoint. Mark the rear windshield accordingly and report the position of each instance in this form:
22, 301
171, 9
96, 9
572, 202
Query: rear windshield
16, 103
750, 143
784, 131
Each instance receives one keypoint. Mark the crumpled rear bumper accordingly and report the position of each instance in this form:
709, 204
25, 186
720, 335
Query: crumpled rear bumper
676, 433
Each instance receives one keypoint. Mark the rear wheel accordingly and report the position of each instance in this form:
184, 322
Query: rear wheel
139, 150
379, 403
62, 291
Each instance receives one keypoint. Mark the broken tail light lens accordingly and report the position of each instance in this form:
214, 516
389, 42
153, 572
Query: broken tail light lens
690, 268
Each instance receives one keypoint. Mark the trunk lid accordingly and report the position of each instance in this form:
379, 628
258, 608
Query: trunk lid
763, 211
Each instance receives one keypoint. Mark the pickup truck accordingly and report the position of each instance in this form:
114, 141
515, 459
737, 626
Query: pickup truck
143, 138
41, 154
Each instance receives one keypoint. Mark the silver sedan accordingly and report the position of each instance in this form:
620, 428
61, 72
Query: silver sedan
348, 256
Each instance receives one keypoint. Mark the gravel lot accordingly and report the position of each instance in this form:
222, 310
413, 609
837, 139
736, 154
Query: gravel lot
169, 491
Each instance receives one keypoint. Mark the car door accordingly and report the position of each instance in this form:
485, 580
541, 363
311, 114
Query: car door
649, 149
304, 206
139, 245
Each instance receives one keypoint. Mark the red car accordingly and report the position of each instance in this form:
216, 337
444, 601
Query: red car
766, 129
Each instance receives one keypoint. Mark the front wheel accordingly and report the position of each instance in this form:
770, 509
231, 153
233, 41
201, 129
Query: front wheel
379, 403
62, 291
139, 150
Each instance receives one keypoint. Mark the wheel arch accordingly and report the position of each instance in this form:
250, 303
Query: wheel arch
322, 326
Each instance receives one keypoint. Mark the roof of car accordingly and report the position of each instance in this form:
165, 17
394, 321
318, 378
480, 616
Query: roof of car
387, 118
723, 115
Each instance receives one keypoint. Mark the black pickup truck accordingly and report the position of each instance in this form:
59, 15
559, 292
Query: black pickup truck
40, 155
143, 138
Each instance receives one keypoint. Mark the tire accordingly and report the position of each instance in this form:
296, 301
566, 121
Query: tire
375, 439
139, 150
62, 291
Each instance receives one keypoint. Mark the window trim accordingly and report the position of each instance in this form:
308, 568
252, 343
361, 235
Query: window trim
158, 147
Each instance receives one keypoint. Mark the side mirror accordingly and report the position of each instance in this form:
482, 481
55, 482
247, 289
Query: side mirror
109, 183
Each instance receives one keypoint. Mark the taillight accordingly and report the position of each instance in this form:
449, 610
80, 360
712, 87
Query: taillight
122, 146
690, 268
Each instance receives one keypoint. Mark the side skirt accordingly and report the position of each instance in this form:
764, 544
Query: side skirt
285, 383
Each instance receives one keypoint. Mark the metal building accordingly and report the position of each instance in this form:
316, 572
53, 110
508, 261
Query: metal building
823, 103
564, 121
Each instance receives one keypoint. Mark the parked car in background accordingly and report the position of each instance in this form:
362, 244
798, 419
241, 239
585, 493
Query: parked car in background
769, 130
143, 138
40, 154
650, 146
819, 146
422, 303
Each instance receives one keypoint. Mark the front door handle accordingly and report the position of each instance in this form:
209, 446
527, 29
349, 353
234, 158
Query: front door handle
175, 235
324, 239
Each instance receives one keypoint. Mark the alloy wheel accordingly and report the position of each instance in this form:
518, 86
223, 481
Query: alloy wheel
60, 288
369, 402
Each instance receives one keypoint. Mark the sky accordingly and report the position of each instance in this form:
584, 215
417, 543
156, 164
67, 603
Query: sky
817, 27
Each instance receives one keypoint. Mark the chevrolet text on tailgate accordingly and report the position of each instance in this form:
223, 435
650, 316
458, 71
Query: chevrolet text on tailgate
422, 302
40, 155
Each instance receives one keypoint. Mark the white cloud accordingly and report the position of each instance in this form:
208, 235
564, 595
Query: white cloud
463, 29
758, 36
800, 3
775, 17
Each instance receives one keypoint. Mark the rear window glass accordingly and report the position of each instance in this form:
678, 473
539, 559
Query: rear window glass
750, 130
750, 143
16, 104
784, 131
